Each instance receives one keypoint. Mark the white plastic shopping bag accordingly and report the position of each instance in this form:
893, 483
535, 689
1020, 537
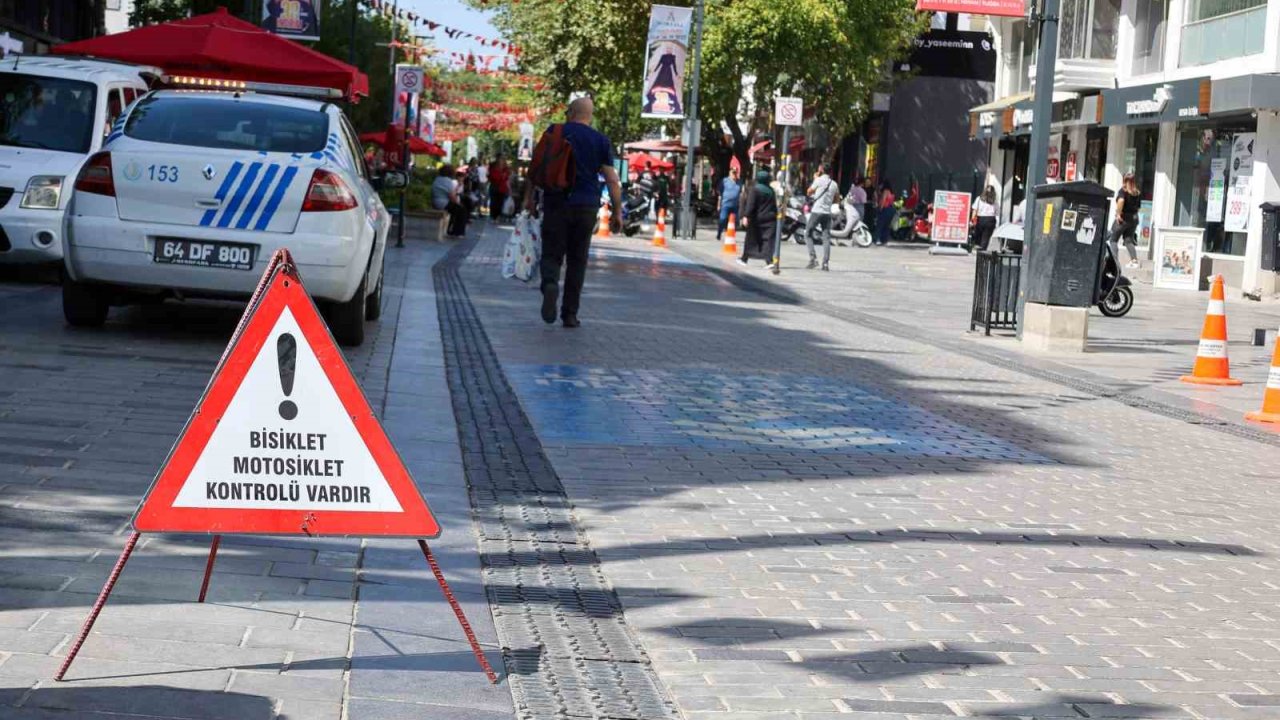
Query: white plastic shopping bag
509, 207
528, 233
510, 253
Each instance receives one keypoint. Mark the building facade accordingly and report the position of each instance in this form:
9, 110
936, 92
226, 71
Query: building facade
1183, 94
917, 130
34, 26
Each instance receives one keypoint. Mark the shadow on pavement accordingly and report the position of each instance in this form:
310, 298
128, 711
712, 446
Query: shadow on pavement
150, 701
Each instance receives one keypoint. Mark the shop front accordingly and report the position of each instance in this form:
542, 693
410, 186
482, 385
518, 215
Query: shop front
1194, 148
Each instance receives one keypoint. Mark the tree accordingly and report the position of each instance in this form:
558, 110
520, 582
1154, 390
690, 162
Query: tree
832, 52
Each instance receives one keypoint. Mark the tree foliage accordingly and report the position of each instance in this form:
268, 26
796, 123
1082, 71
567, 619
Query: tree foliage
830, 52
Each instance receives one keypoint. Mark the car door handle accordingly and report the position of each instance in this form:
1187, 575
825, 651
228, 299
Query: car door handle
209, 203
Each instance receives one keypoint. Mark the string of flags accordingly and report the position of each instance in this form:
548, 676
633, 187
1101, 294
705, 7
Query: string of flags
390, 10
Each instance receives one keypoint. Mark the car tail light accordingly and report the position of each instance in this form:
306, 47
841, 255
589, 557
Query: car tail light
95, 176
328, 193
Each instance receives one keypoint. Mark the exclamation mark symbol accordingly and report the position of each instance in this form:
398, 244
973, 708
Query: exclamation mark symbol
287, 355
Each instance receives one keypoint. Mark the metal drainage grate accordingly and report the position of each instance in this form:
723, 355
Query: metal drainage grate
567, 649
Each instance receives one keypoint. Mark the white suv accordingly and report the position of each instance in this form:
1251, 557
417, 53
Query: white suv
54, 113
197, 189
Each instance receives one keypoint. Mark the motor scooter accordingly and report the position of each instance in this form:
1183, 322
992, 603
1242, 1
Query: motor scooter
1115, 291
794, 218
843, 229
923, 224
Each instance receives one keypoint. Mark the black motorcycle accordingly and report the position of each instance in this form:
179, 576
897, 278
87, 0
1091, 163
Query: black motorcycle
635, 207
1115, 291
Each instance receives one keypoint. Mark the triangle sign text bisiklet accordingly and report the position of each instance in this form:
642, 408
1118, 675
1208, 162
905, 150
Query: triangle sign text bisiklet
283, 441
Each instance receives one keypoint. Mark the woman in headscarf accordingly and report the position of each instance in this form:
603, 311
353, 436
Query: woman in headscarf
760, 217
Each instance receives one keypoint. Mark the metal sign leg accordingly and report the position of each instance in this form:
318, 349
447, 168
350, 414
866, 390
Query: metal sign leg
457, 610
208, 566
97, 604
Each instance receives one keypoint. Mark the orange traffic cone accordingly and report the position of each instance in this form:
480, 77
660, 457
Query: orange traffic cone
603, 216
660, 230
1270, 412
1212, 366
730, 246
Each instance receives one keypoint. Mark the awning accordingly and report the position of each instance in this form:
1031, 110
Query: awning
220, 45
417, 146
662, 146
640, 161
1011, 100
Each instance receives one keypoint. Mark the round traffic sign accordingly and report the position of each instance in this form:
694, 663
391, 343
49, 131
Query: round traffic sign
789, 111
409, 80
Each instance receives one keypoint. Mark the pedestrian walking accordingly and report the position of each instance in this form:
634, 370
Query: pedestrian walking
1128, 200
444, 196
760, 218
884, 219
868, 203
499, 187
730, 192
823, 193
569, 215
662, 184
983, 218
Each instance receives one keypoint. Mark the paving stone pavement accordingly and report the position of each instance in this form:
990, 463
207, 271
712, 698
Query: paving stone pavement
1144, 352
805, 517
296, 629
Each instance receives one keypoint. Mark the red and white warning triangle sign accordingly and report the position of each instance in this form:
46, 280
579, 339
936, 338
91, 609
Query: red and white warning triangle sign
283, 440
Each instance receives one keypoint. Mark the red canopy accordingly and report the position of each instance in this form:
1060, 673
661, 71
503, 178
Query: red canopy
639, 161
220, 45
417, 146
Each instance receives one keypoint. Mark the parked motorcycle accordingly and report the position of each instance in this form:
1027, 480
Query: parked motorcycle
794, 217
846, 223
1114, 289
922, 226
635, 208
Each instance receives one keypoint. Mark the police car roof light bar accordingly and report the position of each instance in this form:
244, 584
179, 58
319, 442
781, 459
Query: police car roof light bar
206, 83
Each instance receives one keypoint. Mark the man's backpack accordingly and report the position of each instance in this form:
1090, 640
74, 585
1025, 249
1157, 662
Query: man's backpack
553, 166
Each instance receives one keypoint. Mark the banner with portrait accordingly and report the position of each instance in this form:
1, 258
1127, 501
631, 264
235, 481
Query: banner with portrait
294, 19
525, 149
666, 51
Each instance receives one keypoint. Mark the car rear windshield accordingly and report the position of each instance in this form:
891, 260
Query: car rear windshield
228, 123
48, 113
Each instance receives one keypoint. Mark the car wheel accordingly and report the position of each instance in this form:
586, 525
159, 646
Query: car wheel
346, 320
373, 305
83, 305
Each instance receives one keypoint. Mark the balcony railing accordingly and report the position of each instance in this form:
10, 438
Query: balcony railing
1223, 37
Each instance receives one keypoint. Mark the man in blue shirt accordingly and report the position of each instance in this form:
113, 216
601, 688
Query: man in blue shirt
730, 191
570, 216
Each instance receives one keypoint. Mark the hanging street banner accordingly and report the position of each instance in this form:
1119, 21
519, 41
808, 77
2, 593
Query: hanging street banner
447, 146
283, 440
294, 19
471, 149
525, 149
666, 51
1003, 8
429, 125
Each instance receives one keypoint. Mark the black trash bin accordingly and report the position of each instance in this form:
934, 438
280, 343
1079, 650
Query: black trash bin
1069, 228
1270, 259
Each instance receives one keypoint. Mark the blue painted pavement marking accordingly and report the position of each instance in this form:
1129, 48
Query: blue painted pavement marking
577, 405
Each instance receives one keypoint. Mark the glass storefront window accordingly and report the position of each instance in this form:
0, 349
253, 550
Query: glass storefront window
1151, 19
1198, 147
1095, 153
1087, 29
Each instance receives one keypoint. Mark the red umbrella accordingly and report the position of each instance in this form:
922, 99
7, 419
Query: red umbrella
417, 146
220, 45
640, 161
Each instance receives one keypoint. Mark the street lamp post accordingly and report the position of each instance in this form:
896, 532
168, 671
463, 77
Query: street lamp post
689, 223
1041, 117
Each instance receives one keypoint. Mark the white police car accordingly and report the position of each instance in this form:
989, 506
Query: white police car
54, 112
196, 189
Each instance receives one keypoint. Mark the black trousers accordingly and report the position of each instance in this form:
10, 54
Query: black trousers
982, 232
566, 239
457, 219
497, 199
